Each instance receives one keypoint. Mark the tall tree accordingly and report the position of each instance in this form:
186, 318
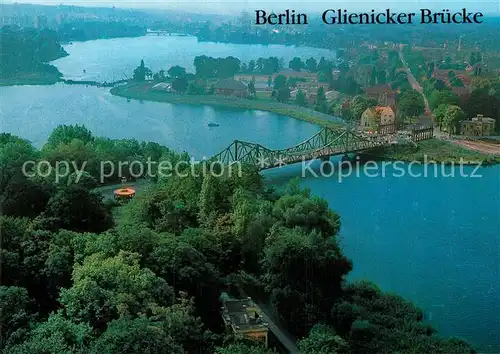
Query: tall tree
296, 64
251, 88
452, 117
410, 103
109, 288
64, 134
300, 99
180, 84
443, 97
283, 94
439, 113
16, 312
251, 66
76, 208
320, 95
56, 335
311, 65
303, 273
279, 82
359, 105
140, 72
323, 340
176, 72
140, 335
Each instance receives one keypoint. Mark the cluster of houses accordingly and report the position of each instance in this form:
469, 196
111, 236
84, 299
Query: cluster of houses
384, 113
238, 86
310, 90
376, 116
225, 87
463, 92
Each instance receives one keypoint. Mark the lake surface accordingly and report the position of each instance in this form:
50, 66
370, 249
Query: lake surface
434, 241
32, 112
115, 59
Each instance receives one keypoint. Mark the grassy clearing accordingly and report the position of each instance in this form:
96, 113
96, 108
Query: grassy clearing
30, 79
439, 151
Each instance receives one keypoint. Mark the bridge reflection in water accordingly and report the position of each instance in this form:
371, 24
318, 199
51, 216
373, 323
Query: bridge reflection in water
324, 144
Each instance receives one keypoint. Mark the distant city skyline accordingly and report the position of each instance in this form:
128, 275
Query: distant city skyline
234, 7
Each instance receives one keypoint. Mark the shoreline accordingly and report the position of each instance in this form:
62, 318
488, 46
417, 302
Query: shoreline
31, 80
142, 92
435, 149
439, 151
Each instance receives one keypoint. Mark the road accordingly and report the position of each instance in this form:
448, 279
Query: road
280, 335
413, 81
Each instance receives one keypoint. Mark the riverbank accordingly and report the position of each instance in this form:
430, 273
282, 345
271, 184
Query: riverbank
144, 92
31, 79
437, 150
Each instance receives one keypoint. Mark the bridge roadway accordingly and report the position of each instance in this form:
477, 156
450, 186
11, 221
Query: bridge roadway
307, 156
327, 142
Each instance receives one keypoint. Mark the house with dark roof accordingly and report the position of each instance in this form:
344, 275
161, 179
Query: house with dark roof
231, 87
383, 94
462, 92
244, 317
444, 75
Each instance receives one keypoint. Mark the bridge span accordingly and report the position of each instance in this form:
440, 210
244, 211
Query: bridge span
324, 144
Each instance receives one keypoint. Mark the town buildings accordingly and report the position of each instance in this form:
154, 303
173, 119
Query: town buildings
383, 94
231, 87
477, 126
447, 76
377, 116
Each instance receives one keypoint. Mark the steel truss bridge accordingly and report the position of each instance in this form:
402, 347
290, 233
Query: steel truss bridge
327, 142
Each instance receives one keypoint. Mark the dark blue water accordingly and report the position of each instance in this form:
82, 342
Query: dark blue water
433, 240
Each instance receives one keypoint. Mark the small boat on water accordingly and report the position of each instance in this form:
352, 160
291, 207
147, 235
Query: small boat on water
213, 124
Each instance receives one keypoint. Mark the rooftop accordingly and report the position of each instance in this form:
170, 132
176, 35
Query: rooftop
242, 315
376, 90
230, 84
379, 109
478, 119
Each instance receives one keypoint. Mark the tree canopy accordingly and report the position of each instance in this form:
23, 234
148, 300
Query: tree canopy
410, 103
74, 280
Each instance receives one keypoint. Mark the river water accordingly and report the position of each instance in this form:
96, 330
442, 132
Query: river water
115, 59
433, 240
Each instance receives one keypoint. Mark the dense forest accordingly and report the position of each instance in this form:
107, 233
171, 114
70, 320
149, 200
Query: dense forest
25, 52
316, 34
89, 30
83, 275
